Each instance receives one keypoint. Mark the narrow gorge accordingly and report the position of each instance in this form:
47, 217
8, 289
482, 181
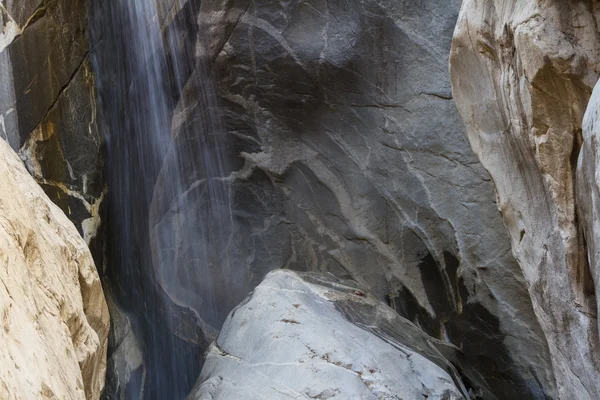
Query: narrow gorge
309, 199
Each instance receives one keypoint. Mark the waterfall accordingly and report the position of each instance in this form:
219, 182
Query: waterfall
160, 117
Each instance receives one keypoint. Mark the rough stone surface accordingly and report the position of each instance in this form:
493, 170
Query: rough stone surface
522, 74
350, 157
54, 317
312, 336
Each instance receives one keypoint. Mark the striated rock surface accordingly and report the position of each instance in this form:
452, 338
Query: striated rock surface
522, 74
54, 317
349, 157
313, 336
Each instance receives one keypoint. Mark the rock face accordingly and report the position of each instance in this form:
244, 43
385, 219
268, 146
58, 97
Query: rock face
349, 157
588, 190
48, 112
588, 179
54, 317
47, 104
125, 364
313, 336
522, 73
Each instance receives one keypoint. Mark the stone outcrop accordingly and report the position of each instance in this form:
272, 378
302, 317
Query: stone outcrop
347, 156
522, 74
54, 317
313, 336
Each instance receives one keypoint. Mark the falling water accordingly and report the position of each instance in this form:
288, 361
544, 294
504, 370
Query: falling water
164, 141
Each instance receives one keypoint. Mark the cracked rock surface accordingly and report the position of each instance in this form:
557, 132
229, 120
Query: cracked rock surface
54, 317
312, 336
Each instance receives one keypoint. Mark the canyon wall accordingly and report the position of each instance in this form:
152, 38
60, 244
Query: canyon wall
48, 114
349, 157
342, 152
522, 74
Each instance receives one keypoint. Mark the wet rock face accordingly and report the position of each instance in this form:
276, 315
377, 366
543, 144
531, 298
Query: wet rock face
315, 336
55, 320
47, 103
522, 74
347, 155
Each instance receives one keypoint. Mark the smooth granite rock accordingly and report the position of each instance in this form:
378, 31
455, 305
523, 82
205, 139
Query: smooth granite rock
313, 336
54, 320
522, 74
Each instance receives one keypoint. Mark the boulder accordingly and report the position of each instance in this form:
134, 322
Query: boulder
313, 336
522, 73
55, 320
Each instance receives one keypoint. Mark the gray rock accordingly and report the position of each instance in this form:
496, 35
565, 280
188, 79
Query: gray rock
125, 363
350, 158
588, 192
313, 336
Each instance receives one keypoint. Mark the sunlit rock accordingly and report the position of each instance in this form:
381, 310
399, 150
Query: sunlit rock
53, 314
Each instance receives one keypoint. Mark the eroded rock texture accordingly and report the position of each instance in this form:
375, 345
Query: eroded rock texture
54, 317
522, 74
47, 104
312, 336
350, 158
